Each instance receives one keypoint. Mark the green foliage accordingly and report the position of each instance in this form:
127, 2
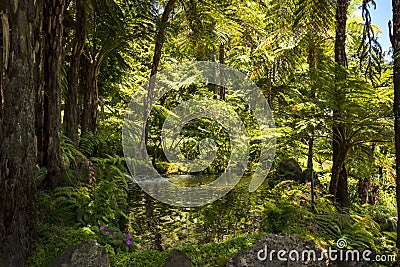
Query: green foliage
359, 231
107, 204
110, 168
276, 45
279, 217
289, 213
217, 254
55, 239
69, 152
208, 255
71, 158
114, 240
84, 206
150, 258
71, 214
109, 200
90, 142
62, 206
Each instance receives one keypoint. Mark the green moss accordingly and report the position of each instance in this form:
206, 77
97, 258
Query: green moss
208, 255
53, 241
149, 258
217, 254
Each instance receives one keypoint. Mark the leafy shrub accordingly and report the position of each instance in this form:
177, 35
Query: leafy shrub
115, 240
89, 142
107, 205
359, 231
85, 205
62, 207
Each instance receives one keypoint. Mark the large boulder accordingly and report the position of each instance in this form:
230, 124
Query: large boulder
177, 258
259, 254
266, 252
290, 169
86, 254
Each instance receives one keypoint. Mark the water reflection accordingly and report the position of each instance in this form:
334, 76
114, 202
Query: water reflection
237, 213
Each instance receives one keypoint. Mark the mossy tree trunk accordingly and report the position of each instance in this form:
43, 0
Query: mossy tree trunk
53, 30
338, 185
17, 136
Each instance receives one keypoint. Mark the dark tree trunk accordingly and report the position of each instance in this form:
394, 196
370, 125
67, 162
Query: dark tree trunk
160, 39
343, 191
364, 184
312, 62
221, 72
71, 115
91, 98
340, 41
338, 185
39, 81
270, 93
53, 19
373, 196
395, 38
17, 138
363, 189
310, 168
1, 75
270, 83
4, 32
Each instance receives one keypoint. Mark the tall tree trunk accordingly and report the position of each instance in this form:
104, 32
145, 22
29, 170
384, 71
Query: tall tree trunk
39, 81
338, 185
312, 62
53, 19
310, 168
270, 93
160, 39
364, 184
4, 30
395, 38
91, 98
363, 187
71, 116
17, 138
1, 74
221, 72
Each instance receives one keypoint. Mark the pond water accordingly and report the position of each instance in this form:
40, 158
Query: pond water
236, 214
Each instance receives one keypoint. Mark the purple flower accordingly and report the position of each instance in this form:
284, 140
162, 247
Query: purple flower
128, 242
108, 232
114, 234
102, 228
309, 185
129, 235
